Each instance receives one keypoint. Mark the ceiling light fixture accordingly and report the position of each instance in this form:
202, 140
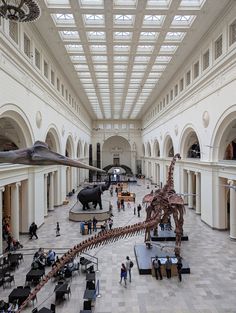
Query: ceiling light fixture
19, 10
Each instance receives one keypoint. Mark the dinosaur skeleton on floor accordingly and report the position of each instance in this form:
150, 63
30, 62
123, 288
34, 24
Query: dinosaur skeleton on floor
161, 204
165, 202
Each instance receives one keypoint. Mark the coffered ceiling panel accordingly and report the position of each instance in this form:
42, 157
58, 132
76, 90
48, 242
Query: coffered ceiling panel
120, 54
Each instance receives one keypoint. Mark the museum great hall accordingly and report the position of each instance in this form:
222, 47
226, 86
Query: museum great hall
126, 84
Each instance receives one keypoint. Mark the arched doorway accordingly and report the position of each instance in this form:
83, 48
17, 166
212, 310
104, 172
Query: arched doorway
168, 147
51, 179
79, 155
223, 152
116, 151
69, 173
14, 134
190, 148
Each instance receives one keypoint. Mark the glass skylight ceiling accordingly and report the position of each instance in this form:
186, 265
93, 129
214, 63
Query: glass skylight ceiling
120, 51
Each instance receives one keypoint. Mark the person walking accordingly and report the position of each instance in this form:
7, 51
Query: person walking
129, 264
168, 265
179, 268
33, 230
139, 209
157, 267
58, 230
123, 273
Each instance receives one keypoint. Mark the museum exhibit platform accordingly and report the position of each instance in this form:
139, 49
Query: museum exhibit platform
144, 257
77, 214
126, 196
167, 235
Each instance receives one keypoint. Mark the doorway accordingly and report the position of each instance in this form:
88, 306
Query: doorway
116, 161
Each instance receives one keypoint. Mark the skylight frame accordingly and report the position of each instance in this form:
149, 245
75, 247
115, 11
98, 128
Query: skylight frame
74, 47
96, 35
183, 20
94, 20
148, 36
88, 4
63, 19
69, 35
153, 20
122, 35
173, 36
123, 19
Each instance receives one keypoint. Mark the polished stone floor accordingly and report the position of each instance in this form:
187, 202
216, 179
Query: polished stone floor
210, 288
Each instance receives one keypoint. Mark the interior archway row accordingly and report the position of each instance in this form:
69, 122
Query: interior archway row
17, 131
222, 142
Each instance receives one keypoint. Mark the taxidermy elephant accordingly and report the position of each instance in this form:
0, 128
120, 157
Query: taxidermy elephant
93, 194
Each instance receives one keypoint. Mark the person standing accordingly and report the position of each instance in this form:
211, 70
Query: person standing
33, 230
157, 267
58, 230
179, 268
168, 265
90, 227
134, 210
139, 209
123, 273
95, 224
129, 265
110, 223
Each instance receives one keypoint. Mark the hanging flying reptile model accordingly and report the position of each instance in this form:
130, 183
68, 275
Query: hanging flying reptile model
39, 154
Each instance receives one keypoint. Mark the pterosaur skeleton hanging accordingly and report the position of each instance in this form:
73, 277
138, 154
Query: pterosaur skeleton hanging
160, 205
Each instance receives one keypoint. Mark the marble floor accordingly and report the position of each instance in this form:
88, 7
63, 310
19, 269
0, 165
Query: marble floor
210, 288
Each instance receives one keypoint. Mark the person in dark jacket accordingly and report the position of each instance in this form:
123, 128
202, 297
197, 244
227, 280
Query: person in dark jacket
33, 230
179, 268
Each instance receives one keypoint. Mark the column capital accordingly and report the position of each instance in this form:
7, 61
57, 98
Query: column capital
52, 173
188, 172
18, 184
46, 175
196, 173
230, 182
2, 189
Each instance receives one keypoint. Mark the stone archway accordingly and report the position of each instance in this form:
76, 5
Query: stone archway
69, 152
168, 150
51, 179
79, 154
156, 149
116, 150
224, 141
190, 146
52, 139
15, 134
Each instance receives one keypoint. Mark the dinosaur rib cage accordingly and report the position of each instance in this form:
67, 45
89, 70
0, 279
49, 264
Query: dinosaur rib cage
101, 239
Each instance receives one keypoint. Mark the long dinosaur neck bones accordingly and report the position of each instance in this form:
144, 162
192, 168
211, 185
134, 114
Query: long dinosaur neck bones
170, 182
90, 243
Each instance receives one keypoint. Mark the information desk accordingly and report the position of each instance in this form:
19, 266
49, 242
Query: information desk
127, 196
174, 271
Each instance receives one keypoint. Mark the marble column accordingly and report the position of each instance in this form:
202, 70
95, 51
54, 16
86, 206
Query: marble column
1, 191
190, 190
45, 194
198, 193
15, 207
232, 210
51, 192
